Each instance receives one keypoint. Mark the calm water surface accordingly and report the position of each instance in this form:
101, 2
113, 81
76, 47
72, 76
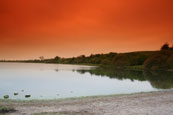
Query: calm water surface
52, 81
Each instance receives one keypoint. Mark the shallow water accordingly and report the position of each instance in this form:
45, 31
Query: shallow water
52, 81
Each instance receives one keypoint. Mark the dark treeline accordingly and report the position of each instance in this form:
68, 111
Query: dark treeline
162, 60
120, 60
151, 60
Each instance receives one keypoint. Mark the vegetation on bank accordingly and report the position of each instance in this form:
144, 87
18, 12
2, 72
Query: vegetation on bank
149, 60
162, 60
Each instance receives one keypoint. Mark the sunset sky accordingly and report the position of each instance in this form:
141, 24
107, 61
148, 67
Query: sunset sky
33, 28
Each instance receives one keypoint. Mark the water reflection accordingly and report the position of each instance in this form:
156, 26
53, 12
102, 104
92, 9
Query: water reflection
52, 81
158, 79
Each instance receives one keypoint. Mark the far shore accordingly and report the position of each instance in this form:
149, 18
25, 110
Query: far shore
160, 60
149, 103
93, 65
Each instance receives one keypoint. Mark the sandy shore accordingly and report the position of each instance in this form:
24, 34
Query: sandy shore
153, 103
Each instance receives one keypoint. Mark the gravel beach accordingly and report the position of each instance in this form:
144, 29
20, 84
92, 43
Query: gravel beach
151, 103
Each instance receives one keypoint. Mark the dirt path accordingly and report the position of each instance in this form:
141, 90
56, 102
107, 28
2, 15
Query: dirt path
154, 103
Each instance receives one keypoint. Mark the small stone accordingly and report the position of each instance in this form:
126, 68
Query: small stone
15, 93
6, 96
27, 96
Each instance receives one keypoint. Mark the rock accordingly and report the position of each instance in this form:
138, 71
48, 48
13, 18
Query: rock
6, 96
27, 96
15, 93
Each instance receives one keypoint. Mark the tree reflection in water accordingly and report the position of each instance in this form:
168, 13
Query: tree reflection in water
158, 79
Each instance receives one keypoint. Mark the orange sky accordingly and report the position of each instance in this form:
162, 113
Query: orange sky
33, 28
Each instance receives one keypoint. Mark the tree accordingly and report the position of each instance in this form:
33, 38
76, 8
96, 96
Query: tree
165, 47
159, 61
41, 58
57, 58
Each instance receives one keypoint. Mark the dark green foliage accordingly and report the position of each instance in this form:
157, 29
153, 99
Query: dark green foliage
162, 60
92, 59
154, 60
131, 59
112, 59
56, 59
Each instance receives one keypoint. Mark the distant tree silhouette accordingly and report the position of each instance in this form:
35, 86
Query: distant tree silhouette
57, 58
165, 47
41, 58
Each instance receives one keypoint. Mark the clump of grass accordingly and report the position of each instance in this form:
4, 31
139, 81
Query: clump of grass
4, 110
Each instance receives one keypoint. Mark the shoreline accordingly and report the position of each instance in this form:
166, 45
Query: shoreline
92, 65
159, 102
82, 97
130, 68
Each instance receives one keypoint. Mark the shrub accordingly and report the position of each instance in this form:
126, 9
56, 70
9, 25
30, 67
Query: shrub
159, 61
165, 47
131, 59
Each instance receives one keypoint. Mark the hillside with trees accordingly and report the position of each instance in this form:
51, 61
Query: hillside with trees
148, 60
162, 60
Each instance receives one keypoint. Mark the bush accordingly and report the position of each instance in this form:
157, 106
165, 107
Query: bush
165, 47
160, 61
131, 59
